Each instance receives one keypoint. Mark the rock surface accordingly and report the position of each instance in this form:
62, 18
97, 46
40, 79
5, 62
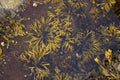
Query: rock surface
9, 7
10, 4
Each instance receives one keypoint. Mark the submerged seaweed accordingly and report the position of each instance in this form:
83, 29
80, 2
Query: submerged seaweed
109, 67
62, 44
8, 31
70, 50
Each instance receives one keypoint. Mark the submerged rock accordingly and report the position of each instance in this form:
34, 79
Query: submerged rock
8, 8
10, 4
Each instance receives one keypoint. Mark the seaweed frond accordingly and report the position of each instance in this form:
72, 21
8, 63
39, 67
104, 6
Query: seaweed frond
0, 53
38, 68
86, 50
77, 4
107, 5
43, 33
109, 67
88, 44
10, 30
109, 35
61, 76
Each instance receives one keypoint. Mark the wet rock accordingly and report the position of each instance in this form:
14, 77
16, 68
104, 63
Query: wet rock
118, 68
8, 8
10, 4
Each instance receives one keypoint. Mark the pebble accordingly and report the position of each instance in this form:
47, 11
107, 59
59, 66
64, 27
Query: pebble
3, 59
118, 68
77, 55
35, 4
26, 32
2, 43
4, 63
28, 18
18, 15
25, 76
50, 7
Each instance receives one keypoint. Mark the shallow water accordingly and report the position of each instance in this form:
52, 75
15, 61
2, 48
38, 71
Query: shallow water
68, 62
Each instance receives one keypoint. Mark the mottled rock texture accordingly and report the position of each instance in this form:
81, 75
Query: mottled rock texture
9, 7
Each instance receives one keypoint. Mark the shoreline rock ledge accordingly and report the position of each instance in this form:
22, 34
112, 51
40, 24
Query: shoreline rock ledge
8, 8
